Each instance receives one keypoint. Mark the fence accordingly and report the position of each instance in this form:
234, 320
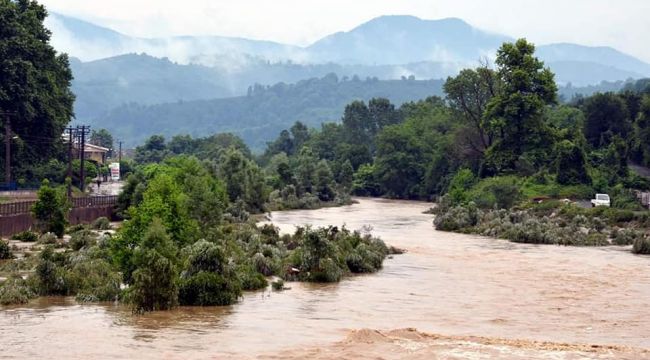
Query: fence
16, 216
25, 207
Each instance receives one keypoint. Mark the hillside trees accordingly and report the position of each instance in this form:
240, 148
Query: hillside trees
35, 85
606, 116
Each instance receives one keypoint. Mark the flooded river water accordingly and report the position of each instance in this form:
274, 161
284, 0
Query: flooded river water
458, 285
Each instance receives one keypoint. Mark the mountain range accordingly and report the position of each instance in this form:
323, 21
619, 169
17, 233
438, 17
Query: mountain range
112, 69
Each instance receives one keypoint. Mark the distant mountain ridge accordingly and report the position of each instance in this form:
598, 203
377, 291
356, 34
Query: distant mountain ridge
386, 40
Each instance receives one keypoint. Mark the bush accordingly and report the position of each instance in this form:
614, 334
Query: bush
5, 250
625, 236
82, 239
252, 280
101, 223
15, 290
74, 228
208, 289
641, 246
47, 239
208, 278
278, 285
49, 274
155, 277
500, 192
51, 209
92, 279
26, 236
457, 218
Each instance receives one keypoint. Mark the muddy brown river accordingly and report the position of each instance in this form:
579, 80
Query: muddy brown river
478, 294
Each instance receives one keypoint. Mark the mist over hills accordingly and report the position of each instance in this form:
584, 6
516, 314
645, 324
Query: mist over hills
121, 80
386, 40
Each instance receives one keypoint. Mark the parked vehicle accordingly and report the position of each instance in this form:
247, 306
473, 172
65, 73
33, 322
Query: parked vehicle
601, 200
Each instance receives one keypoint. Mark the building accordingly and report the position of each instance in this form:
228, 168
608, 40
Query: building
96, 153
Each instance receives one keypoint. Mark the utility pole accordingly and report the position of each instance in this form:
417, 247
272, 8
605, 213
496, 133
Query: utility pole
70, 131
119, 155
84, 129
8, 115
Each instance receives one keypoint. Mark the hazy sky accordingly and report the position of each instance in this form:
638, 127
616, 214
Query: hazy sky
622, 24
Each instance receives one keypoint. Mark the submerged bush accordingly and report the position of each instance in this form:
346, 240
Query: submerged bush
208, 278
626, 236
26, 236
641, 246
278, 285
154, 281
327, 254
15, 290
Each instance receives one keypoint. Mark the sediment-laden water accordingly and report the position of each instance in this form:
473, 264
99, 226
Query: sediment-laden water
472, 290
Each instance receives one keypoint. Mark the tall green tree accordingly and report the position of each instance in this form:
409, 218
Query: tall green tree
515, 114
154, 285
34, 83
469, 94
606, 116
51, 209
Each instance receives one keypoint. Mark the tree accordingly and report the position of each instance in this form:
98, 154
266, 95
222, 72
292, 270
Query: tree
300, 134
515, 114
208, 279
615, 163
102, 138
643, 130
154, 150
346, 174
606, 116
155, 277
324, 182
571, 164
469, 94
51, 209
35, 83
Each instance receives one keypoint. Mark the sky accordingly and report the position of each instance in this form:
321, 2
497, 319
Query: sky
622, 24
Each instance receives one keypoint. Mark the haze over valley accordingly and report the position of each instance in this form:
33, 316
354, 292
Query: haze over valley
125, 79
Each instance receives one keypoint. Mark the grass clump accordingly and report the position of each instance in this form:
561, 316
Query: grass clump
26, 236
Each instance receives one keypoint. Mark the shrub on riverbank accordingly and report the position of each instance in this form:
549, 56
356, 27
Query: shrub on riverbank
550, 223
641, 246
26, 236
15, 290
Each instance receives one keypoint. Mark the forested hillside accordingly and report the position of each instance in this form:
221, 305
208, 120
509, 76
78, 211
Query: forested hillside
261, 114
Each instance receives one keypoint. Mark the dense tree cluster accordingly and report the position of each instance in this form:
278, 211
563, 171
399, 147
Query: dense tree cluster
34, 88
